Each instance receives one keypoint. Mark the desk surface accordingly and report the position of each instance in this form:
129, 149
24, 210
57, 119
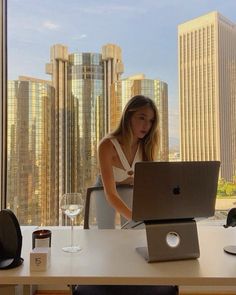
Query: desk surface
109, 257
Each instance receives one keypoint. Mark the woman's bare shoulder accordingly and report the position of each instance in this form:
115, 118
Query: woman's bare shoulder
105, 144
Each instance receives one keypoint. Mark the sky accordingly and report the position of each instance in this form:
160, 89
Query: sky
146, 31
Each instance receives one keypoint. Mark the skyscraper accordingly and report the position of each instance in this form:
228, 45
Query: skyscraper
86, 118
113, 69
82, 84
58, 68
123, 90
31, 150
207, 91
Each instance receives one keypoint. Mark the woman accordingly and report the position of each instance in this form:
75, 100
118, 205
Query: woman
135, 139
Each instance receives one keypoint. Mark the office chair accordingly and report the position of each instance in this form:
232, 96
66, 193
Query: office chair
103, 215
98, 212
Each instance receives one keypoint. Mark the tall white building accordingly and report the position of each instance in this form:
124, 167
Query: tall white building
207, 91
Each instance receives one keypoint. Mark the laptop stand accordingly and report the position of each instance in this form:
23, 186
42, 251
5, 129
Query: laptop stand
170, 240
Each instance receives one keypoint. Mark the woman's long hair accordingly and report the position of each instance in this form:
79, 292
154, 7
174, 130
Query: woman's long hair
150, 143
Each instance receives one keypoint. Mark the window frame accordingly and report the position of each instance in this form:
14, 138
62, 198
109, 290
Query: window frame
3, 104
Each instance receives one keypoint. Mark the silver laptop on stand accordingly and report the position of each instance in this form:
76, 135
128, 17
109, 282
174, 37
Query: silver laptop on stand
167, 197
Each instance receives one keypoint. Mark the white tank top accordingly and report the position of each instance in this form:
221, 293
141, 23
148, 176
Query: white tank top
128, 171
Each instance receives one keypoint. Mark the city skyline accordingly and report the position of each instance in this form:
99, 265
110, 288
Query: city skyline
63, 121
146, 31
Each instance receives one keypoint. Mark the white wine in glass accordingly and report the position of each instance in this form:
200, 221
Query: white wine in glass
72, 205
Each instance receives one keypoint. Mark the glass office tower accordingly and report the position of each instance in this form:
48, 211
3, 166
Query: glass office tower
62, 122
87, 116
123, 90
82, 84
207, 91
113, 69
31, 150
57, 68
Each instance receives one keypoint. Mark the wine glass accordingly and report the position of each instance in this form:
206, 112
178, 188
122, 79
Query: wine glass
72, 205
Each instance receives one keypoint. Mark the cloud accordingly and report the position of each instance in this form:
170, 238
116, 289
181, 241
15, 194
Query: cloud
82, 36
50, 25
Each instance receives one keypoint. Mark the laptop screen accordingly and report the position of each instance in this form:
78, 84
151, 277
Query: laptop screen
174, 190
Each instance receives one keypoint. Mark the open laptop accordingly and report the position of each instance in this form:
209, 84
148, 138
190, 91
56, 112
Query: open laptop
167, 197
174, 190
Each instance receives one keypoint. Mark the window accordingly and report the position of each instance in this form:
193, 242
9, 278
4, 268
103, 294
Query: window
93, 53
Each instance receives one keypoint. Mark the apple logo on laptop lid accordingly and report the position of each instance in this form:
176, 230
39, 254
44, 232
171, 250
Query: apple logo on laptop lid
176, 190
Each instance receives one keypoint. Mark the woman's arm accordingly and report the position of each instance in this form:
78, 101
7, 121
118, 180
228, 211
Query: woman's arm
105, 156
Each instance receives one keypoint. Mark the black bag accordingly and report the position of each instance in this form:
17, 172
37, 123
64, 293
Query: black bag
10, 240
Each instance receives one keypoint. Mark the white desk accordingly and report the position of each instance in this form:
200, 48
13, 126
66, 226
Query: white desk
109, 257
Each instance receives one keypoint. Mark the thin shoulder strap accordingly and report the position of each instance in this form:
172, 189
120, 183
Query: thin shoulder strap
121, 154
136, 157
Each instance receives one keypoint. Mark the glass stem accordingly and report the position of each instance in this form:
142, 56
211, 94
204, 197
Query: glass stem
72, 233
